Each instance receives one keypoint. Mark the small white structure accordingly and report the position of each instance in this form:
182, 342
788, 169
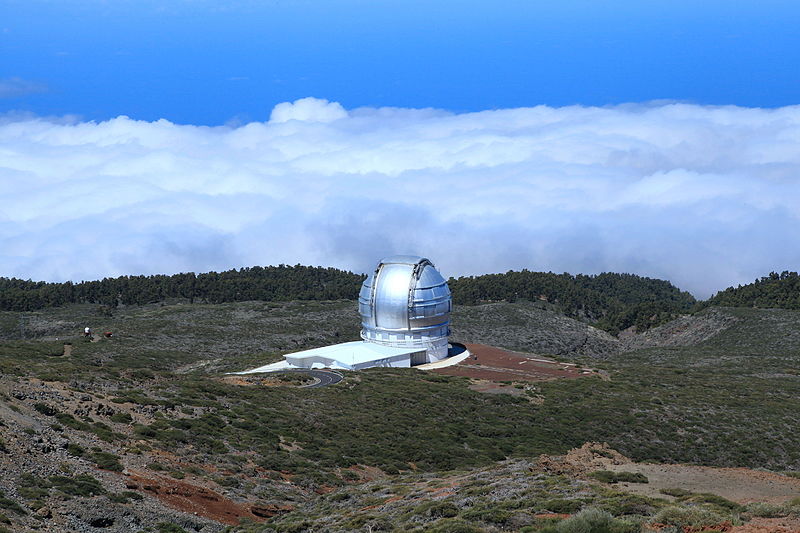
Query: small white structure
354, 356
405, 309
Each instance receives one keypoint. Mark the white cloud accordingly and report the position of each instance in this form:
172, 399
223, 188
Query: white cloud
704, 196
308, 110
14, 87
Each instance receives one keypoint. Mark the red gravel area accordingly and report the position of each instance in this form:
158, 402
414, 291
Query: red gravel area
496, 364
769, 525
202, 501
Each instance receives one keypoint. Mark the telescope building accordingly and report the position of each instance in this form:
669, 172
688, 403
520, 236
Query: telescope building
405, 309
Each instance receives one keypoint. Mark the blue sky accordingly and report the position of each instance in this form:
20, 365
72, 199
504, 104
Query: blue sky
195, 62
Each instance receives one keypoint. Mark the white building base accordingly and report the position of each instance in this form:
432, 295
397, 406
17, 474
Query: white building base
358, 355
355, 355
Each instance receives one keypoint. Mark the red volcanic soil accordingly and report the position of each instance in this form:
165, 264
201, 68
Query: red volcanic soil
496, 364
203, 501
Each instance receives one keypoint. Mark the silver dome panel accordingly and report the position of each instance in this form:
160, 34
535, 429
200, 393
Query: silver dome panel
406, 302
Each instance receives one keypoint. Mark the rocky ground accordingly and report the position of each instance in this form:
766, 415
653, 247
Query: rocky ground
684, 331
37, 449
529, 494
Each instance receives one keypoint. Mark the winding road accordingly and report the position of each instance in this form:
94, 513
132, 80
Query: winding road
323, 377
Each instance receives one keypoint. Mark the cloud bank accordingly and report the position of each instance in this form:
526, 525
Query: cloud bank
706, 197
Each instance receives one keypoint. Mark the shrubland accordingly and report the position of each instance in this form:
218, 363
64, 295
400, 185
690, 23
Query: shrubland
386, 448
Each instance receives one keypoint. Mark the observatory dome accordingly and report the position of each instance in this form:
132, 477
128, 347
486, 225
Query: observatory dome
406, 303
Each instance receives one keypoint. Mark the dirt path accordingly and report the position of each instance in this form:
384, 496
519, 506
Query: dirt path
769, 525
496, 364
740, 485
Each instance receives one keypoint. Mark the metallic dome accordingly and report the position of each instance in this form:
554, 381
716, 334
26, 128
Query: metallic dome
406, 303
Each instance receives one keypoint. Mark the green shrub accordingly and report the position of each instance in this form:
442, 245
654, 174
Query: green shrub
607, 476
117, 498
625, 503
604, 476
33, 487
134, 396
713, 499
438, 509
294, 527
45, 409
80, 485
487, 513
121, 418
687, 516
602, 452
70, 421
349, 475
10, 505
227, 481
676, 492
558, 505
452, 525
104, 432
767, 510
169, 527
592, 521
76, 450
144, 432
107, 461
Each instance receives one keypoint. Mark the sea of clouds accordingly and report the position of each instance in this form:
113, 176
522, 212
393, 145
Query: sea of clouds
706, 197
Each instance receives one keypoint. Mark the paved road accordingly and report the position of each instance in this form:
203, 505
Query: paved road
323, 377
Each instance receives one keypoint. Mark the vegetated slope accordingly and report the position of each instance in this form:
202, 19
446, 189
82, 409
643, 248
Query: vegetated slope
614, 301
532, 327
726, 401
776, 290
686, 330
729, 400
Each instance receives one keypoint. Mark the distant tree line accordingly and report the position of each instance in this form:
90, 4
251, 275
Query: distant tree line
272, 283
775, 290
614, 302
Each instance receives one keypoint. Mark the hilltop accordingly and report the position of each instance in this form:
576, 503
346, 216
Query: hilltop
776, 290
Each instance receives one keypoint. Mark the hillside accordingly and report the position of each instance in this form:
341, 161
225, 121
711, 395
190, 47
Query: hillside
125, 432
531, 327
612, 302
